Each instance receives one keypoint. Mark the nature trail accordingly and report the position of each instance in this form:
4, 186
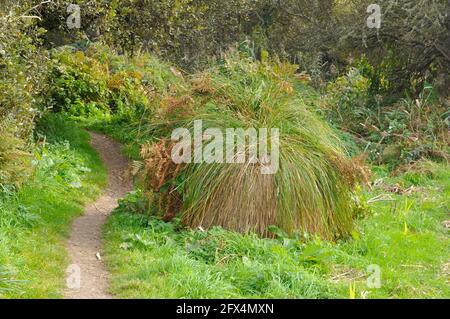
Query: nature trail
85, 242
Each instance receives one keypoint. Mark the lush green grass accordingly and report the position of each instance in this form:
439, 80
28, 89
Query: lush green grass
404, 237
34, 222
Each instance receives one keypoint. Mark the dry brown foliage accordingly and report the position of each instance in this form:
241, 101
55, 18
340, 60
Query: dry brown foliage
159, 168
172, 104
244, 200
202, 84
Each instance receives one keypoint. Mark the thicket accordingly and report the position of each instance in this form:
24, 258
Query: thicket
22, 79
323, 36
390, 131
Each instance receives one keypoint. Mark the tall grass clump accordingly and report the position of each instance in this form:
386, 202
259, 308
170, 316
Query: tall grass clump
309, 193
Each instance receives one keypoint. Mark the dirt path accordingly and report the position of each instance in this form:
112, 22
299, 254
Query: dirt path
85, 243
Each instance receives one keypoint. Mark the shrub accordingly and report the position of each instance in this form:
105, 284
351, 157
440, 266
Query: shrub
186, 32
78, 84
349, 101
391, 130
22, 74
96, 83
15, 161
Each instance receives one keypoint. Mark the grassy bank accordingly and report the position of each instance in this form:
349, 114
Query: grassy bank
35, 221
400, 231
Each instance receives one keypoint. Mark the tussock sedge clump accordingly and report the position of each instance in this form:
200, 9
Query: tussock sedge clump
310, 192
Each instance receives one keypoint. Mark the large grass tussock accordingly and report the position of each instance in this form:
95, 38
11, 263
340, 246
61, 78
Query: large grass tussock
310, 192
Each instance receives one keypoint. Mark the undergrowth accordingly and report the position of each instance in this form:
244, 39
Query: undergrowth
391, 130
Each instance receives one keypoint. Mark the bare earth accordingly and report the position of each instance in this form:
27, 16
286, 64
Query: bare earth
85, 243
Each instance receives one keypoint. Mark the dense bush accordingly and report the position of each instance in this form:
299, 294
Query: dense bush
187, 32
411, 47
395, 131
22, 78
322, 36
95, 83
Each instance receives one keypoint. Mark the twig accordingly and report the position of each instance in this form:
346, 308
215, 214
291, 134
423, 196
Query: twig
30, 17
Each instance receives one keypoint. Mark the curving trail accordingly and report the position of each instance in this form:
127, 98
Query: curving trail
85, 242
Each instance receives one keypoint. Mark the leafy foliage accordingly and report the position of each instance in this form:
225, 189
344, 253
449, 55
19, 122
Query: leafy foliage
22, 69
396, 132
96, 83
322, 36
185, 31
